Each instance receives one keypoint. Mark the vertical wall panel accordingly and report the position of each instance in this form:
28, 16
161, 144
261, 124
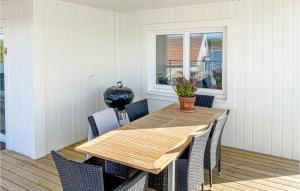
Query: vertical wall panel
296, 80
207, 9
267, 75
248, 75
230, 129
232, 81
178, 14
239, 72
277, 77
171, 16
257, 132
200, 12
288, 60
186, 14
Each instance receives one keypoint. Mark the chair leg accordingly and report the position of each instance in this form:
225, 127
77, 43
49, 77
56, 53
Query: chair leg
210, 177
219, 167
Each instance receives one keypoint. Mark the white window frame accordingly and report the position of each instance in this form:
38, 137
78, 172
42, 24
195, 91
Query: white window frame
154, 88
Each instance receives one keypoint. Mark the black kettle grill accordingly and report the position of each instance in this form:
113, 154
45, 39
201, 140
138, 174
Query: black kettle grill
118, 96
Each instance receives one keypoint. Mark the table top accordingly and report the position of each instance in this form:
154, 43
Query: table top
152, 142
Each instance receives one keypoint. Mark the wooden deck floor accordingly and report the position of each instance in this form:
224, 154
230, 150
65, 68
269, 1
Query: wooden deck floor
241, 170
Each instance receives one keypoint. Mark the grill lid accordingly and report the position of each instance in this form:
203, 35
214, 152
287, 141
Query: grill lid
118, 96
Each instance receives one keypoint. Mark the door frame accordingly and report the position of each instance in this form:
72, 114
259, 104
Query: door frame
3, 29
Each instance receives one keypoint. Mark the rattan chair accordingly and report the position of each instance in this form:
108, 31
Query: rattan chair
137, 109
86, 177
204, 100
189, 172
100, 123
213, 147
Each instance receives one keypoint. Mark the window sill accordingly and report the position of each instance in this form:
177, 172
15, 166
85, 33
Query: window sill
170, 96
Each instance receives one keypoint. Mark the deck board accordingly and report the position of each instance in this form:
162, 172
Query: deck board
241, 170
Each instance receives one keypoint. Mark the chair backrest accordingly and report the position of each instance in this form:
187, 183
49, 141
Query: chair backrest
102, 122
78, 176
217, 132
204, 101
137, 109
196, 160
207, 82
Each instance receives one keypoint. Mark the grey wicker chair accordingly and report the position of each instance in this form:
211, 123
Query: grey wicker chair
189, 172
100, 123
213, 147
137, 109
86, 177
204, 100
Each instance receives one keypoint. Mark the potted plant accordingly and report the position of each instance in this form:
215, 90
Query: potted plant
185, 90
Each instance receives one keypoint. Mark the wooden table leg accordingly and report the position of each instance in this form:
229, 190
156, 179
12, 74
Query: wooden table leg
171, 176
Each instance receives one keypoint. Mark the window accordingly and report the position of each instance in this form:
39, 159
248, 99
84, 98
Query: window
192, 54
169, 58
206, 53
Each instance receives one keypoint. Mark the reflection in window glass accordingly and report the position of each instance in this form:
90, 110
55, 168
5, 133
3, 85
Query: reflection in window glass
206, 53
169, 58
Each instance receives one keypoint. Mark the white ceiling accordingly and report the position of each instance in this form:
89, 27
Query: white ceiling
132, 5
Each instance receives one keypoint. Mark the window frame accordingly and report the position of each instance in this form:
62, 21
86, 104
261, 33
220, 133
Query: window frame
160, 88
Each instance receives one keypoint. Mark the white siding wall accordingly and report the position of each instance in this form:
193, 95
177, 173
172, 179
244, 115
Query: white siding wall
51, 93
78, 63
20, 116
296, 85
61, 58
263, 72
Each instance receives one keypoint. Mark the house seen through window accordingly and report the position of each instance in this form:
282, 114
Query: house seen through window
205, 58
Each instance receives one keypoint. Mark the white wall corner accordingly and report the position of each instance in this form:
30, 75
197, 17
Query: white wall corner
20, 120
39, 78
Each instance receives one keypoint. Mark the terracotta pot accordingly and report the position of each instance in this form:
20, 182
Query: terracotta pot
187, 104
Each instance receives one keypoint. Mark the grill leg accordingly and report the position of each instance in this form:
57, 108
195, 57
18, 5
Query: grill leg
210, 177
219, 167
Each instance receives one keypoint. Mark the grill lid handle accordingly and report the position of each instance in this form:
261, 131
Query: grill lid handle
119, 84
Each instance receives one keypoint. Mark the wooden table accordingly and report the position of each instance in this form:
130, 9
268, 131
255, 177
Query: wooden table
153, 142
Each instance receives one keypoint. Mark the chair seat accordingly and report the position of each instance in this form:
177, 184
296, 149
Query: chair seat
95, 161
120, 170
185, 154
160, 181
182, 174
111, 182
207, 156
114, 169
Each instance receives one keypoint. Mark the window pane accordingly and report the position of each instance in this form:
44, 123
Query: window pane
206, 59
169, 57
